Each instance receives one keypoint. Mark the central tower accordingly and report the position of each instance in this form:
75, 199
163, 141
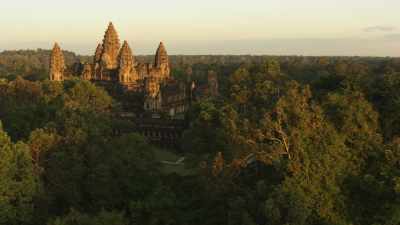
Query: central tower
110, 48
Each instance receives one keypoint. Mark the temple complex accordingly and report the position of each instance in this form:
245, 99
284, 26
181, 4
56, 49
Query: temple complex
164, 100
114, 64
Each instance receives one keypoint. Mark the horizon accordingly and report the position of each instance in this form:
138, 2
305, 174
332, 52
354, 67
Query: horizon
309, 28
267, 48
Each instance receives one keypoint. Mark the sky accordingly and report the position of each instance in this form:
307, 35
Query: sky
273, 27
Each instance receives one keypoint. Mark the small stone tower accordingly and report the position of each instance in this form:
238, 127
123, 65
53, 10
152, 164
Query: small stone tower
161, 62
97, 54
97, 63
127, 72
111, 46
57, 64
87, 72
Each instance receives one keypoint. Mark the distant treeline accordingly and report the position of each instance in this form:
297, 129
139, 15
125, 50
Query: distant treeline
34, 64
31, 64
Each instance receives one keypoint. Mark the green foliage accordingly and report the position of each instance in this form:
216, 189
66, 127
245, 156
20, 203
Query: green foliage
290, 140
18, 184
83, 96
206, 134
385, 93
128, 161
21, 107
273, 69
102, 218
31, 64
356, 120
317, 160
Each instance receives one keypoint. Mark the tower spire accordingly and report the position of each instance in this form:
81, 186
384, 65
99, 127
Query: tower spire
161, 55
127, 72
57, 63
126, 52
161, 61
111, 46
98, 52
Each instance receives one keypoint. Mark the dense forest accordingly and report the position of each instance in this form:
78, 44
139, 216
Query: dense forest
289, 140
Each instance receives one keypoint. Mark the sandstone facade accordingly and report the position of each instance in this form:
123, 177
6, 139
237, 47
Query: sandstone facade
153, 95
161, 63
87, 71
57, 64
127, 71
115, 63
110, 49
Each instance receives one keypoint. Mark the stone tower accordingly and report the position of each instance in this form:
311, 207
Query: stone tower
97, 62
57, 64
111, 46
127, 72
97, 54
161, 61
87, 72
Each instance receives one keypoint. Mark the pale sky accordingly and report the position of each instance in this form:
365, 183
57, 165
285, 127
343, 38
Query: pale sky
295, 27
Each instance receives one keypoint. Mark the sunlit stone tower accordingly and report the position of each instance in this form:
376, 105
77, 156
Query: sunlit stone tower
111, 46
127, 72
57, 64
161, 62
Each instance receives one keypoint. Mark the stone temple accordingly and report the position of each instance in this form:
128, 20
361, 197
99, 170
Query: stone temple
112, 62
162, 101
115, 65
